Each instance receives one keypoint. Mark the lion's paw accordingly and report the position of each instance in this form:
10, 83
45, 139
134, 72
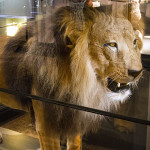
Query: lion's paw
124, 126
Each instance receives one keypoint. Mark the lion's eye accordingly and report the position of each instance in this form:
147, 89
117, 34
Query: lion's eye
112, 45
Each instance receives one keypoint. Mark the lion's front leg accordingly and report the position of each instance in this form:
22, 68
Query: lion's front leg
74, 142
49, 140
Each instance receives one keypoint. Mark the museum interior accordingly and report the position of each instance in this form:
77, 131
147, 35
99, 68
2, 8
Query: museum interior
125, 127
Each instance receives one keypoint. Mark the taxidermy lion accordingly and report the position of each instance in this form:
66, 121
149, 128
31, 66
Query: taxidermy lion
90, 60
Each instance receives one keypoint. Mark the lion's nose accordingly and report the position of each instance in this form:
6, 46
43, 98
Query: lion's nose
134, 73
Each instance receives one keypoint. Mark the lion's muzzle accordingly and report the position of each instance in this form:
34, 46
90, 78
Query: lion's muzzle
116, 86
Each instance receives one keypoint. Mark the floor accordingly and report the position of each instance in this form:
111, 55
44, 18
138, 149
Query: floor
17, 141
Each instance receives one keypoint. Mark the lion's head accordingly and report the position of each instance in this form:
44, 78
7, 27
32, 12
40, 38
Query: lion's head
104, 50
115, 55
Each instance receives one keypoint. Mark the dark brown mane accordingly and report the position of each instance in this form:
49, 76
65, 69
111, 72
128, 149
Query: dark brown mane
49, 39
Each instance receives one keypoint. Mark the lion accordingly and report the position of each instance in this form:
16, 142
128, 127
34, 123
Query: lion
90, 60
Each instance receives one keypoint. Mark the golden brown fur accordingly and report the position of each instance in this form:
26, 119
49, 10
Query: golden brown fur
65, 59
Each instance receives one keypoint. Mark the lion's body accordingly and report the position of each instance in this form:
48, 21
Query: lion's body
60, 59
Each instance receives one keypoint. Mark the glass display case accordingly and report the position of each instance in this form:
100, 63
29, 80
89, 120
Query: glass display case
40, 45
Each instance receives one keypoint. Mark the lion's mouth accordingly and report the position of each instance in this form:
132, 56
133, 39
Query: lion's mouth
116, 86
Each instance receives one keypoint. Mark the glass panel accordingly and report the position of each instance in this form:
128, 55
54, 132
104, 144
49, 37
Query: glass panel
12, 19
40, 62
